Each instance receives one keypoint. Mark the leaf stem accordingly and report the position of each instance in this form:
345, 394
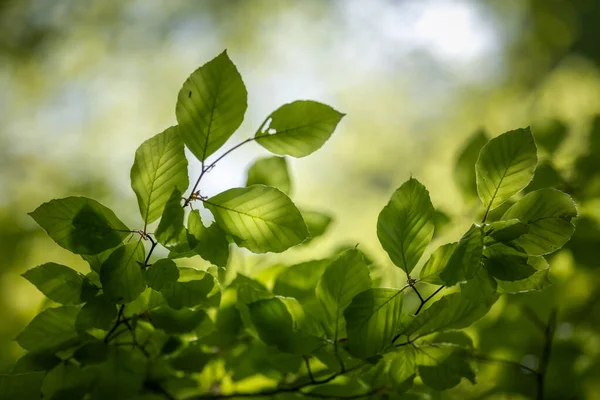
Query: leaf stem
116, 325
545, 360
423, 302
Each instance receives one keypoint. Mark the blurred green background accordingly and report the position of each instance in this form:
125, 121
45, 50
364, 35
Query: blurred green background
85, 82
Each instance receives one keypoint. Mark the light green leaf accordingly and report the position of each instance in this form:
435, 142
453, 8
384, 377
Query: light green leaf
211, 106
80, 225
317, 223
160, 165
161, 272
170, 231
505, 166
177, 321
436, 264
464, 168
405, 225
260, 218
51, 330
210, 243
403, 367
194, 288
121, 275
270, 171
60, 283
298, 129
452, 311
372, 319
344, 278
299, 280
548, 214
506, 263
538, 281
21, 386
98, 313
465, 261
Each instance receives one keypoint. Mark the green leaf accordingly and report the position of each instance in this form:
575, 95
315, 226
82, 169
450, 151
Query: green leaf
344, 278
96, 260
195, 288
270, 171
545, 176
506, 231
548, 214
452, 311
465, 261
298, 129
51, 330
211, 106
405, 225
80, 225
192, 359
121, 376
161, 272
98, 313
299, 280
31, 362
21, 386
260, 218
372, 319
430, 273
60, 283
538, 281
506, 263
551, 134
481, 289
160, 165
317, 223
269, 313
464, 168
210, 243
121, 275
177, 321
67, 381
403, 367
170, 231
505, 166
446, 366
92, 352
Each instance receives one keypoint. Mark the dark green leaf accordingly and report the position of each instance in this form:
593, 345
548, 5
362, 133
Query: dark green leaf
68, 382
317, 223
444, 367
270, 171
176, 321
505, 166
260, 218
403, 367
80, 225
160, 165
51, 330
211, 106
192, 359
121, 376
170, 231
210, 243
405, 225
121, 275
344, 278
161, 272
538, 281
436, 264
31, 362
545, 176
372, 319
464, 168
21, 386
551, 134
59, 283
452, 311
506, 263
465, 261
98, 313
195, 288
92, 353
506, 231
299, 281
548, 214
481, 289
298, 129
96, 260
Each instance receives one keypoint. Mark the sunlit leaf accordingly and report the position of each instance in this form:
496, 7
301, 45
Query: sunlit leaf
270, 171
403, 366
194, 288
465, 261
121, 275
170, 231
372, 319
298, 129
299, 280
211, 106
405, 225
505, 166
430, 273
548, 214
260, 218
344, 278
51, 330
80, 225
159, 166
60, 283
210, 243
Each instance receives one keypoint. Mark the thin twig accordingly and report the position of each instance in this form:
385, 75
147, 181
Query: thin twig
116, 325
483, 357
427, 299
545, 359
310, 374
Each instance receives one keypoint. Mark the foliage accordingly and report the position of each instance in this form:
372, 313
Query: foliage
136, 327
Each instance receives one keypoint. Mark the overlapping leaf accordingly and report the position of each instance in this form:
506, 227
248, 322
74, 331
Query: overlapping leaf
51, 330
121, 275
210, 243
270, 171
60, 283
465, 261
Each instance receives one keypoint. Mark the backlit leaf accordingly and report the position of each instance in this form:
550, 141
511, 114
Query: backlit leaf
270, 171
121, 275
51, 330
59, 283
210, 243
465, 261
430, 273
